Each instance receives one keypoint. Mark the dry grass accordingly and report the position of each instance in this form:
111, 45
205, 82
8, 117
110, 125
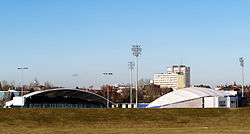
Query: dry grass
75, 121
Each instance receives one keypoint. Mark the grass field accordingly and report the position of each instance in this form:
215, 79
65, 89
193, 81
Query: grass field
75, 121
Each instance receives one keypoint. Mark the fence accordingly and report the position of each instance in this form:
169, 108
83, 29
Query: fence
65, 106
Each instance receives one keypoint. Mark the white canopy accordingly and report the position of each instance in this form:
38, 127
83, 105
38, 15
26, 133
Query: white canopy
185, 95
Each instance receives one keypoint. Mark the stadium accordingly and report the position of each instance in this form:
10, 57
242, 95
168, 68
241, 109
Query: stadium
60, 98
195, 98
74, 98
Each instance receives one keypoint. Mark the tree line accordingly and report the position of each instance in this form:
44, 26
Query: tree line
146, 92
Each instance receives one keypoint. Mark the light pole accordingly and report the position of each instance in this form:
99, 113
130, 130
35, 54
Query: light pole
136, 49
243, 82
131, 65
108, 74
22, 69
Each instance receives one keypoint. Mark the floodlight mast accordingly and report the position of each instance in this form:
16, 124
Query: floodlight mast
108, 74
131, 65
136, 52
243, 81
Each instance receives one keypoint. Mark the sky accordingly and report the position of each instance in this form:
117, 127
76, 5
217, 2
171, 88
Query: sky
72, 42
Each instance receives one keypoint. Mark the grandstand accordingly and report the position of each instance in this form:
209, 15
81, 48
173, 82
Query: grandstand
60, 98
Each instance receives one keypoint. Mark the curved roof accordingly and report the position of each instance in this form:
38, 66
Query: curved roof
70, 92
184, 95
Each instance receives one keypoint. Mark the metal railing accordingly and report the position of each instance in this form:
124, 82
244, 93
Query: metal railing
65, 106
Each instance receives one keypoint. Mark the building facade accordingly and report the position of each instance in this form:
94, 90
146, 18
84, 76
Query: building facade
177, 77
181, 69
171, 80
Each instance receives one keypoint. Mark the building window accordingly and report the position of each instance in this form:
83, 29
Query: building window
222, 103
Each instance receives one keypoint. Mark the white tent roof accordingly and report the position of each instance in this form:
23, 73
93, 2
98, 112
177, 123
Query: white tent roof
184, 95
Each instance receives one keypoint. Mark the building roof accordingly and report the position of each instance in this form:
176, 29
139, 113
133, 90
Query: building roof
75, 93
230, 87
185, 95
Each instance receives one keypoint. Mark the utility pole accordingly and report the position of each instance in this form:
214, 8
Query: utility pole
136, 49
131, 65
243, 81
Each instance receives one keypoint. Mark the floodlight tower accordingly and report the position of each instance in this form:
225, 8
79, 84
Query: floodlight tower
108, 74
243, 82
136, 52
131, 65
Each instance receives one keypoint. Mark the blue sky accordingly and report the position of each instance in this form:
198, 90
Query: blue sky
59, 38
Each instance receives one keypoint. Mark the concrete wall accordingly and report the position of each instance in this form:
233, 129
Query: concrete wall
220, 102
211, 102
231, 102
207, 102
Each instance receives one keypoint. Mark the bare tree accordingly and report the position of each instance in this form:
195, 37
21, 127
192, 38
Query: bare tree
0, 85
5, 85
48, 85
13, 84
144, 82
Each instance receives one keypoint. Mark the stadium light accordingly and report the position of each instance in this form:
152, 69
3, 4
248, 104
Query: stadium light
131, 65
243, 81
136, 49
108, 74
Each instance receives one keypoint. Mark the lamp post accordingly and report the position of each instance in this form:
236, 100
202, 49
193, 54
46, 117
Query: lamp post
243, 82
22, 69
108, 74
131, 65
136, 49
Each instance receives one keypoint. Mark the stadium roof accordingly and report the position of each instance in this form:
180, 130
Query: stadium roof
75, 93
185, 95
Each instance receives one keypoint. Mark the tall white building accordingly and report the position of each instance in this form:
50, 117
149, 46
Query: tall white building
170, 80
181, 69
177, 77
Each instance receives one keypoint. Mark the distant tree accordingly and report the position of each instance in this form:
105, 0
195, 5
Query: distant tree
32, 90
12, 84
152, 92
143, 82
146, 94
0, 85
48, 85
103, 90
123, 96
5, 85
113, 95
